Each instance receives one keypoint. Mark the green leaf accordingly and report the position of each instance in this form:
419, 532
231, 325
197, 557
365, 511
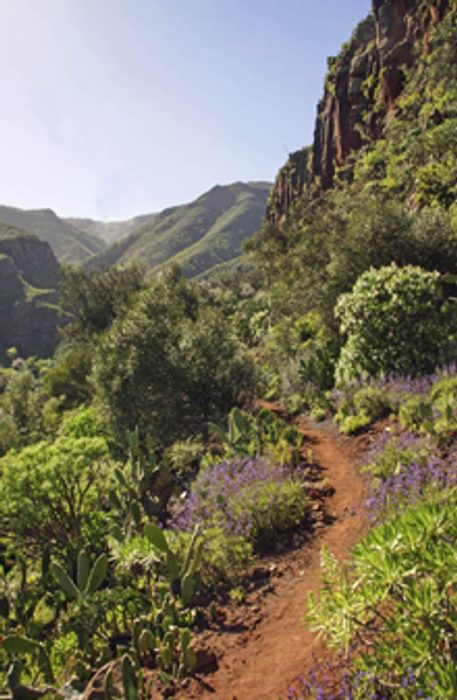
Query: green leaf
217, 430
185, 638
97, 574
136, 512
83, 569
156, 537
190, 658
45, 665
187, 589
15, 644
4, 607
45, 561
172, 565
65, 582
120, 476
115, 500
197, 558
128, 678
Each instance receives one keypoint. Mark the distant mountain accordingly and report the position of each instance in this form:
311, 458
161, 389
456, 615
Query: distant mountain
207, 232
109, 231
29, 276
70, 245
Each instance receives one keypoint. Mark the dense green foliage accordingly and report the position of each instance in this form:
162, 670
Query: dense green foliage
394, 321
140, 478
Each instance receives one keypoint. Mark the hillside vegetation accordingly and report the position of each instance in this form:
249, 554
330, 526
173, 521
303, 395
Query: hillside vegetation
197, 236
109, 231
140, 473
69, 244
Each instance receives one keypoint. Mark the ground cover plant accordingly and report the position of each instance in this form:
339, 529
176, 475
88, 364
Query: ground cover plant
390, 612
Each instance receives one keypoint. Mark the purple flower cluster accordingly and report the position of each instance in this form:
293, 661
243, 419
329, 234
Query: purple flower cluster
399, 384
389, 438
224, 495
336, 680
408, 484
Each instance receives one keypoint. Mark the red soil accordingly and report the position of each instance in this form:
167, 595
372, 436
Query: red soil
264, 645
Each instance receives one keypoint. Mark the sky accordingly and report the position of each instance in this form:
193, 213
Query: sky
114, 108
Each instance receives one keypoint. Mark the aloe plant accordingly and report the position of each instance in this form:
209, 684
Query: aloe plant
88, 579
141, 487
17, 646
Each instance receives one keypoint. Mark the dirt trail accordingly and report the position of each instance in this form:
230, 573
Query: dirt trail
257, 662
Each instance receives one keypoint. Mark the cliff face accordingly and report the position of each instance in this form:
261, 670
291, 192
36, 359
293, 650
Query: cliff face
361, 88
29, 275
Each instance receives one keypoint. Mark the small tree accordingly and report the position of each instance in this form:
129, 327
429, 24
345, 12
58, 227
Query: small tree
395, 320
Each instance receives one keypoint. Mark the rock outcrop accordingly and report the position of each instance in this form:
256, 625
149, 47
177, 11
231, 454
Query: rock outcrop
29, 276
361, 88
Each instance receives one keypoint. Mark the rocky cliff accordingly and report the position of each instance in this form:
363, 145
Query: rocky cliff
29, 275
361, 89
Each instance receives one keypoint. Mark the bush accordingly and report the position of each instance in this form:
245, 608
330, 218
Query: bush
360, 407
395, 320
169, 367
224, 557
398, 597
249, 497
52, 495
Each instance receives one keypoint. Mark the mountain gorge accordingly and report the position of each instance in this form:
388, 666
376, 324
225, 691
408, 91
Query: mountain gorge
29, 277
109, 231
199, 236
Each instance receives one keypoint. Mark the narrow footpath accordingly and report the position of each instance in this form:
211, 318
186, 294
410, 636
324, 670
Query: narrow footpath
259, 660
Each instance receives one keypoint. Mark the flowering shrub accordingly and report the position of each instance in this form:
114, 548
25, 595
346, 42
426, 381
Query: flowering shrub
254, 498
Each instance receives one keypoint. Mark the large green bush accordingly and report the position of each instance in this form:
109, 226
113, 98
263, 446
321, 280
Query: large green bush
53, 495
395, 320
169, 366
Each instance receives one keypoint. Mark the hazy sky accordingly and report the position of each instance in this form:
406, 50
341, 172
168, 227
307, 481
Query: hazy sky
113, 108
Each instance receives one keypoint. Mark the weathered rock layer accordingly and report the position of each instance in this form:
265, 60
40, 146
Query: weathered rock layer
29, 275
361, 88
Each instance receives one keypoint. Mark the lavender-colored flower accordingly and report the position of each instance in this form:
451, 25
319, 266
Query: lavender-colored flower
234, 495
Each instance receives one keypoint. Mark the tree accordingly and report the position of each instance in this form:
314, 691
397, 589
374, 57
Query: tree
91, 301
168, 366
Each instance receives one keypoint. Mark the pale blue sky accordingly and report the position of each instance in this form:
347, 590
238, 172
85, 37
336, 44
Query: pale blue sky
113, 108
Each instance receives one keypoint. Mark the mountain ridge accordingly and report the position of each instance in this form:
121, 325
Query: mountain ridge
69, 244
198, 235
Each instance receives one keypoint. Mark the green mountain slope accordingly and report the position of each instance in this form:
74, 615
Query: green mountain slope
207, 232
109, 231
69, 244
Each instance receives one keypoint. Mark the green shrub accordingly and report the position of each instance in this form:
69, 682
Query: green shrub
416, 413
53, 494
398, 596
399, 452
396, 321
224, 557
360, 407
434, 413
